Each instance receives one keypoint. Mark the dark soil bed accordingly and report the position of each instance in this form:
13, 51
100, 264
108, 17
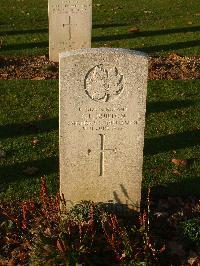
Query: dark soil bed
168, 67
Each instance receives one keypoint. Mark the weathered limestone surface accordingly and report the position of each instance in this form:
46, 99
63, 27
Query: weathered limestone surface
102, 120
70, 25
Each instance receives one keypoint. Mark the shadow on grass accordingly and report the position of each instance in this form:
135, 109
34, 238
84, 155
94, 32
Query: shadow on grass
145, 34
189, 186
22, 31
171, 142
150, 49
13, 173
23, 129
23, 46
169, 47
105, 26
156, 107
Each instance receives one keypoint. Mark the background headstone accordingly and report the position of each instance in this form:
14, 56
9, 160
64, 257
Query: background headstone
102, 120
70, 26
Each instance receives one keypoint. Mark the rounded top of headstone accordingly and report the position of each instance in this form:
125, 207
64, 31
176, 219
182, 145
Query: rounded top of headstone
103, 51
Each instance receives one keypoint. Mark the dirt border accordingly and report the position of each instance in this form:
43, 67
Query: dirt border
170, 67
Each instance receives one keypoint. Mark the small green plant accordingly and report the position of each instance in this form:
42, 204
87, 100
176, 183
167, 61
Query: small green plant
191, 231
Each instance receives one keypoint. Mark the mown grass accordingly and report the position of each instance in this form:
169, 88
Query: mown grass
173, 132
29, 110
164, 26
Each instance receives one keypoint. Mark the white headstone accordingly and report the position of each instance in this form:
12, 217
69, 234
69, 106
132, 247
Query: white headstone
70, 26
102, 120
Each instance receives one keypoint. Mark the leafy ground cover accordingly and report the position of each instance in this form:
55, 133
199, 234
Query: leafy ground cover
152, 26
41, 233
29, 137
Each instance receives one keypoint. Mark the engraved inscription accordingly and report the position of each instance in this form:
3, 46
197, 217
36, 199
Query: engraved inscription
103, 119
68, 6
103, 85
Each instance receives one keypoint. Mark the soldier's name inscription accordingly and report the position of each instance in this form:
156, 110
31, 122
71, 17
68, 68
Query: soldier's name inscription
102, 119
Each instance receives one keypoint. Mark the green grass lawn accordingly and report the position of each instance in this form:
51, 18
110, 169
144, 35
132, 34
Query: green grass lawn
29, 111
164, 26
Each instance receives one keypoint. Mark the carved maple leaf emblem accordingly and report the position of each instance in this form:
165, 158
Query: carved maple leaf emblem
102, 84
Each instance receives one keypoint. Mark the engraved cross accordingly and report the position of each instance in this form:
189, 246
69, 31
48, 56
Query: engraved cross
69, 24
102, 152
